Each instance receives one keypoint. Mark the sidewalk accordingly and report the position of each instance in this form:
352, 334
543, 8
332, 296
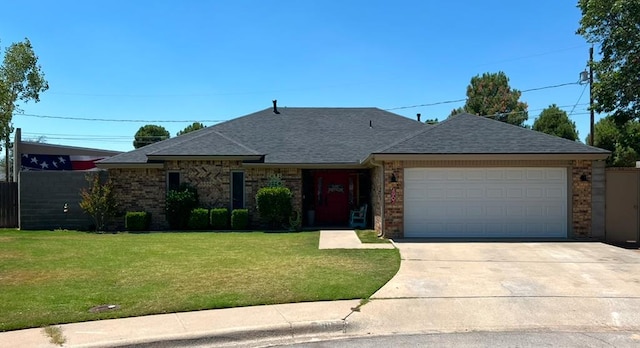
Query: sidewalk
213, 327
219, 326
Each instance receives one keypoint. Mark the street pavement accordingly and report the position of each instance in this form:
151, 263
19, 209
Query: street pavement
440, 288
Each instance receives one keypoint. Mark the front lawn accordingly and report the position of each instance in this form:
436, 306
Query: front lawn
56, 277
370, 236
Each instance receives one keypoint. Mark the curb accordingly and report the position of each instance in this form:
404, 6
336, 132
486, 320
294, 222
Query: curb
232, 336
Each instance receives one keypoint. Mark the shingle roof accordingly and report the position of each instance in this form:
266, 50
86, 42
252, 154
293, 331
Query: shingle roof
294, 136
470, 134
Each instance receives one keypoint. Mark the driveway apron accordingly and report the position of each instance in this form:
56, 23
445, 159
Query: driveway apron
446, 287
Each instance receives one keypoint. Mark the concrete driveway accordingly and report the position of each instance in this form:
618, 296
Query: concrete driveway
445, 287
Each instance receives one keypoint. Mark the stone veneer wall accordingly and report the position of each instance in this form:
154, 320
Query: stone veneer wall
145, 189
579, 191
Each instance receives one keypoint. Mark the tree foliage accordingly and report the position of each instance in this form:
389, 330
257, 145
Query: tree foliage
190, 128
21, 79
98, 200
149, 134
490, 95
614, 25
623, 140
555, 121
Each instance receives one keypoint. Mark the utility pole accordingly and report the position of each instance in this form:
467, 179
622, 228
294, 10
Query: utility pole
591, 95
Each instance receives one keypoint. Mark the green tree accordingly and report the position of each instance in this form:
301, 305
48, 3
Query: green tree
614, 25
98, 200
457, 111
21, 79
623, 140
150, 134
555, 121
490, 95
190, 128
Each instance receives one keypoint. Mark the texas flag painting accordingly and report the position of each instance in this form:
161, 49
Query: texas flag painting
58, 162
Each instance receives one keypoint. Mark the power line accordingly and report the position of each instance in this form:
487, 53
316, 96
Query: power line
114, 120
464, 99
580, 97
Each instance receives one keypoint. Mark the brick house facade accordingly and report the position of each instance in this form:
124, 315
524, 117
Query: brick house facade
338, 159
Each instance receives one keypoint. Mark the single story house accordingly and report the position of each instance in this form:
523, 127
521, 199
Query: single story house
466, 177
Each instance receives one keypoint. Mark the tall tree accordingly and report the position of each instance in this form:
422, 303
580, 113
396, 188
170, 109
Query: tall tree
190, 128
490, 95
150, 134
555, 121
623, 140
614, 25
21, 79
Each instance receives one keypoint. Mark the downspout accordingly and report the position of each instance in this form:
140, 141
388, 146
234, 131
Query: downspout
381, 166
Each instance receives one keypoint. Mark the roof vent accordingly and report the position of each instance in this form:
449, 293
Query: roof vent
275, 106
370, 124
418, 117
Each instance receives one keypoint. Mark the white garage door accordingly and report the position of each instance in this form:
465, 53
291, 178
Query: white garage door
485, 202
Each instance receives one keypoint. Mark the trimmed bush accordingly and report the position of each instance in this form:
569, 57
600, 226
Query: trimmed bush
220, 218
137, 221
274, 206
198, 219
180, 203
240, 219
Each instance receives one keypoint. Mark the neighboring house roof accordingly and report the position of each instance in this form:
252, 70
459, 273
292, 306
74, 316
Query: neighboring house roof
308, 136
470, 134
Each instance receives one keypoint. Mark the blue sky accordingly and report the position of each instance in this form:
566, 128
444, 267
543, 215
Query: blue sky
174, 62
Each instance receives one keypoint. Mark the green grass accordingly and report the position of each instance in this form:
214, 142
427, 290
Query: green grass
51, 278
370, 236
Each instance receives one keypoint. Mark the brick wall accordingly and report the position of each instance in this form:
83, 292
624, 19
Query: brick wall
581, 180
140, 190
376, 197
145, 189
394, 200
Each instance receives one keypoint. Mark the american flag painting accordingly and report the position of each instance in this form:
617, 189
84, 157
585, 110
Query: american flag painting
58, 162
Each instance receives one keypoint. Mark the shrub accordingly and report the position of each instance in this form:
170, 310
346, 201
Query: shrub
220, 218
98, 200
137, 221
180, 203
274, 205
198, 219
240, 219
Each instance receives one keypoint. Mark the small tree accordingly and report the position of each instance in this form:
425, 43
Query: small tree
98, 200
555, 121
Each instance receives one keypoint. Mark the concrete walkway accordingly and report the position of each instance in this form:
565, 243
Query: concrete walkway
347, 239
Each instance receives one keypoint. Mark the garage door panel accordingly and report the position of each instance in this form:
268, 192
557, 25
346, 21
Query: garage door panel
486, 202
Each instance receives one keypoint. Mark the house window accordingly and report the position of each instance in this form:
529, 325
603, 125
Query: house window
237, 190
173, 181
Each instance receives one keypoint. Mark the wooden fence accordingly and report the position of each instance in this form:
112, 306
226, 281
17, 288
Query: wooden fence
8, 204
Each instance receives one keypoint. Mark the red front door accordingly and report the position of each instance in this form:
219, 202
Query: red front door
331, 191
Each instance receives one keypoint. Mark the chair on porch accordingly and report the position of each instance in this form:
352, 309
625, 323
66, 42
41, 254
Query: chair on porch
358, 217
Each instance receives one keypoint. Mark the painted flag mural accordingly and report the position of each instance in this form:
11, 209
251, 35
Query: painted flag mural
58, 162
